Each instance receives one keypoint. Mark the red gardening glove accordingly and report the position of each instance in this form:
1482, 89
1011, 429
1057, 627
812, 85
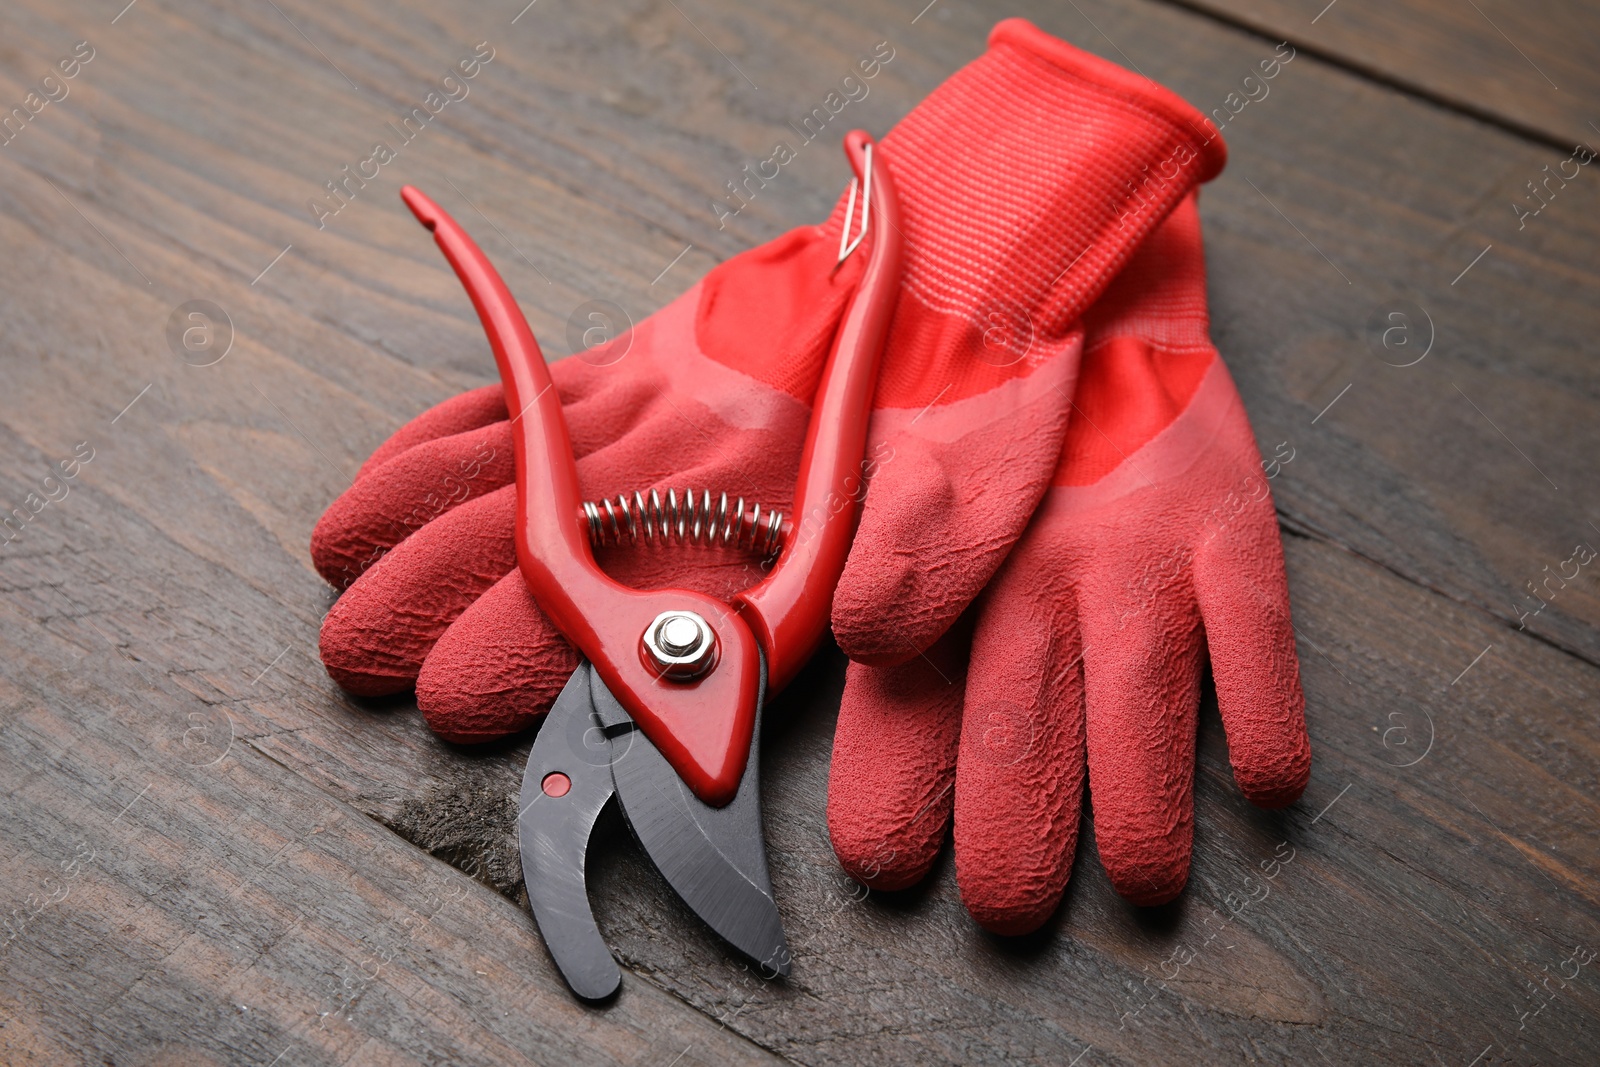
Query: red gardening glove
1157, 544
1000, 261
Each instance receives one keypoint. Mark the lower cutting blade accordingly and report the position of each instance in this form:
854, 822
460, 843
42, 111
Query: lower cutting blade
566, 783
714, 858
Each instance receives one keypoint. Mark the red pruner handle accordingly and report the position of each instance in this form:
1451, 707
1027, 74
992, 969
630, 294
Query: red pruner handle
790, 609
559, 563
703, 727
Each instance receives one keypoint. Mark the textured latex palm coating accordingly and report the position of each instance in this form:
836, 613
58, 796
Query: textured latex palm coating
1157, 545
496, 668
890, 796
416, 485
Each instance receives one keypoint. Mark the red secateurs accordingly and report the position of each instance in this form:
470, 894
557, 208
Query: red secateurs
690, 671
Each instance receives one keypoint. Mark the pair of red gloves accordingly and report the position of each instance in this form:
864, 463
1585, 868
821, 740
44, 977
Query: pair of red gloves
1066, 509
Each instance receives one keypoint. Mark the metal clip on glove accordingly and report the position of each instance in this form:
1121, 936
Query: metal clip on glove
1025, 182
1156, 545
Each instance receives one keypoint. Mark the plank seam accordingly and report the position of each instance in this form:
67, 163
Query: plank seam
1295, 527
636, 973
1440, 100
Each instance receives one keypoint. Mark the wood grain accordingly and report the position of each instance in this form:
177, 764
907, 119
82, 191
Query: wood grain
284, 842
175, 896
1524, 66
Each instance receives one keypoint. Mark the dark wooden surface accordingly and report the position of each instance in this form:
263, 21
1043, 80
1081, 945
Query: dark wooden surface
212, 856
1522, 65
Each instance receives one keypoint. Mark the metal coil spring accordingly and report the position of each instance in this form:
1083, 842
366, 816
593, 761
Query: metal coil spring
686, 520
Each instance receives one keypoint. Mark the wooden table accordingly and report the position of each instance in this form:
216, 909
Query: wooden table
212, 856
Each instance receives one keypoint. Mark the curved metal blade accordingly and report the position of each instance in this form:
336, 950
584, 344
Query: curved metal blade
714, 858
553, 837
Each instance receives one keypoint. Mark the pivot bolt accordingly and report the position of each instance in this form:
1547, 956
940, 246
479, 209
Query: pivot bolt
680, 644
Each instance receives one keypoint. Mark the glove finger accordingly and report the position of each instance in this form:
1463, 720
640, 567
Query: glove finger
1020, 775
1244, 600
378, 633
465, 411
497, 668
891, 786
403, 488
387, 503
1142, 693
945, 503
